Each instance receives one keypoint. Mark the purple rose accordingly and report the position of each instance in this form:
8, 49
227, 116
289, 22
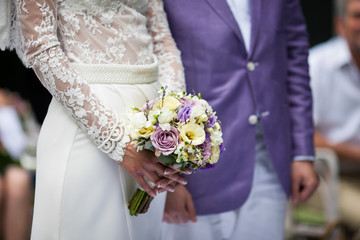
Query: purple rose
184, 113
164, 141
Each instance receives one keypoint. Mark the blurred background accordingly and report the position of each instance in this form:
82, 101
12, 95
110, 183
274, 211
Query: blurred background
319, 218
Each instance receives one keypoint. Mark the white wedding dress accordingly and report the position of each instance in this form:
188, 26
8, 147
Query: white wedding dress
97, 58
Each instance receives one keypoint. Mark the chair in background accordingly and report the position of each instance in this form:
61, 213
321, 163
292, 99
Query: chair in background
318, 218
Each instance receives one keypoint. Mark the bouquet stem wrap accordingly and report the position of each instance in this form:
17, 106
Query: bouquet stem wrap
140, 202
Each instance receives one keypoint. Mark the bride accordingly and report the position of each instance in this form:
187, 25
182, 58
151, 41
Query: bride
97, 58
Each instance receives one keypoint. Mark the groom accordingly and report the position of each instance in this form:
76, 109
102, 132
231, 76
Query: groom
248, 58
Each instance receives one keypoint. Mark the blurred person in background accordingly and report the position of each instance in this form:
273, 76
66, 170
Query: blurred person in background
15, 182
334, 69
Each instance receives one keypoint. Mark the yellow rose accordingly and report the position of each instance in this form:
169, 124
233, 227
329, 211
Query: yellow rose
193, 134
169, 101
146, 131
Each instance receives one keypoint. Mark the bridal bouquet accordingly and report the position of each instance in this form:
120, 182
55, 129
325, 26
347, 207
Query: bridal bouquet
182, 130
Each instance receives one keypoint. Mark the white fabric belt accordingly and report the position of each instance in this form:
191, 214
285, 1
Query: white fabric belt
117, 73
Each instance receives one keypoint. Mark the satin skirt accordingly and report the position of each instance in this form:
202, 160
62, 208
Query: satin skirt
80, 192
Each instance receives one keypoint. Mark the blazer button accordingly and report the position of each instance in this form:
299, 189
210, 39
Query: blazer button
253, 119
251, 66
265, 114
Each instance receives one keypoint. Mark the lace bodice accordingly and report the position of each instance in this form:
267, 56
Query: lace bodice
55, 33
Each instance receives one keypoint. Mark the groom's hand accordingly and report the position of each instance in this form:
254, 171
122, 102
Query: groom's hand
144, 163
179, 206
304, 180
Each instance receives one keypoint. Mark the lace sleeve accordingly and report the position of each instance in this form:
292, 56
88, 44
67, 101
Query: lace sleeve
171, 71
43, 53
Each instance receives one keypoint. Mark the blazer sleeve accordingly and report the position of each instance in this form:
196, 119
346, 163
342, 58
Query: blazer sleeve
298, 80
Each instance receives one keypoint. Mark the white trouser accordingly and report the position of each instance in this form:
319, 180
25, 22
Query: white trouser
262, 216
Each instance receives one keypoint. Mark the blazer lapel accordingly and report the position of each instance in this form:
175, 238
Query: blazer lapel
222, 9
255, 11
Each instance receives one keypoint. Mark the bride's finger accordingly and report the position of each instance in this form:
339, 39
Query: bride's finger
177, 177
144, 185
172, 170
166, 184
160, 190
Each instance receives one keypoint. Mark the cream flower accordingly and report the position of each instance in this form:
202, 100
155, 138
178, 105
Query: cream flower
169, 101
153, 115
217, 127
172, 102
139, 126
138, 120
193, 134
198, 114
215, 137
166, 115
215, 154
205, 104
181, 153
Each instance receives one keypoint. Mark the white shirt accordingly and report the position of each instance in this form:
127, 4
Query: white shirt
336, 91
241, 11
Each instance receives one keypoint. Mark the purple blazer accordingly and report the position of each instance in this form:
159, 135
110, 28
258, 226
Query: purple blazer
272, 77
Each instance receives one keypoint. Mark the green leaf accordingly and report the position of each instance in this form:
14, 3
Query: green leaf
168, 160
149, 146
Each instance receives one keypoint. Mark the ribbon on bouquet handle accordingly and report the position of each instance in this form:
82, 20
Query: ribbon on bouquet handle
149, 182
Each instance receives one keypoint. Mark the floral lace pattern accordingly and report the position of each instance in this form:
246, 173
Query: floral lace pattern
58, 32
170, 66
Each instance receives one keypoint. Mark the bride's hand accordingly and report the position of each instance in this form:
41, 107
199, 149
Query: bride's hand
144, 163
171, 179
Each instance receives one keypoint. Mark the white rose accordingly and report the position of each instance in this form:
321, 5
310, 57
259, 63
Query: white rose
139, 126
138, 120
